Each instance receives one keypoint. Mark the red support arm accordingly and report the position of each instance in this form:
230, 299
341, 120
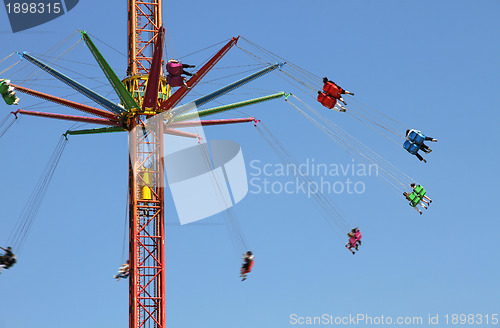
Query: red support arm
210, 122
183, 91
69, 103
151, 95
83, 119
180, 133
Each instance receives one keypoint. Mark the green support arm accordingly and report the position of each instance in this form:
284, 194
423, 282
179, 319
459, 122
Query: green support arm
127, 100
95, 131
224, 108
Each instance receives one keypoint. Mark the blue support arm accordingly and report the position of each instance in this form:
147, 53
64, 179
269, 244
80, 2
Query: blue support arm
106, 103
216, 94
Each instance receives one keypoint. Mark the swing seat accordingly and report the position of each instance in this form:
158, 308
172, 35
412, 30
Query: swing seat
411, 147
175, 81
417, 138
332, 89
414, 199
10, 99
326, 100
420, 191
174, 68
4, 86
247, 269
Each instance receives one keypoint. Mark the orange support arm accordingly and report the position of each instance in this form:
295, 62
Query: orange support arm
69, 103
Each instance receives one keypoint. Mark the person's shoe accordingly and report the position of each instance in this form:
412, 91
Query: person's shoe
342, 109
424, 160
434, 140
191, 66
430, 200
245, 278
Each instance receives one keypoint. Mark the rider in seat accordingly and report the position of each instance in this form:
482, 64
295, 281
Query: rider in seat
334, 90
8, 259
123, 272
247, 266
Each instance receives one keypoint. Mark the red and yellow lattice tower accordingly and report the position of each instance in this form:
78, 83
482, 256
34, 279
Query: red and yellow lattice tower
146, 174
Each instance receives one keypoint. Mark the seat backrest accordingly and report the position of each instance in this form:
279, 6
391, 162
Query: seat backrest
411, 147
175, 80
414, 199
419, 190
174, 68
326, 100
4, 86
332, 89
419, 139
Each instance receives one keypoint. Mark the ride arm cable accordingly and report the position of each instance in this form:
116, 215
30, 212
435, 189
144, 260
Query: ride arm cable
344, 140
28, 215
376, 156
326, 206
3, 129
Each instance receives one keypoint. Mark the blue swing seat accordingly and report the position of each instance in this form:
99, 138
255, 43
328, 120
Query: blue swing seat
417, 138
411, 147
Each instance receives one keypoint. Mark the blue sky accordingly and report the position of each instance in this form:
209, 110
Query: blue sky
434, 65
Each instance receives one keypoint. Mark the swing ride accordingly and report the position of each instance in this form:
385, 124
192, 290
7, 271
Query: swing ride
150, 107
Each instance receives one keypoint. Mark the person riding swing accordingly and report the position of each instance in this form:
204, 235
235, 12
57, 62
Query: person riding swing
8, 259
248, 260
334, 90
